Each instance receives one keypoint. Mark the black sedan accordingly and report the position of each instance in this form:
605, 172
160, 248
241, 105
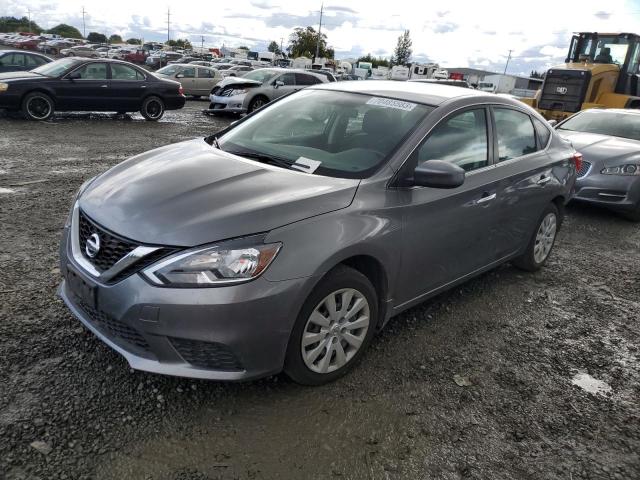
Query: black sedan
80, 84
20, 61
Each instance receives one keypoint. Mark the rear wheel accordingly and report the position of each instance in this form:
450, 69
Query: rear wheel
152, 108
38, 106
333, 329
542, 242
257, 103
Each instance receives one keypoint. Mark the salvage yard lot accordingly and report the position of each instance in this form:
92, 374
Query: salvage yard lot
476, 383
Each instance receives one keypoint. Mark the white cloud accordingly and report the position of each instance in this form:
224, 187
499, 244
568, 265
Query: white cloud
462, 33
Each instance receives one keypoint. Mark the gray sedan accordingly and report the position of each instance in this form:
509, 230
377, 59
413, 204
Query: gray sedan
255, 89
609, 140
286, 241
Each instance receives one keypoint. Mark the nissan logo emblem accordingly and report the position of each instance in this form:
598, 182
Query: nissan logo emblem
92, 245
561, 90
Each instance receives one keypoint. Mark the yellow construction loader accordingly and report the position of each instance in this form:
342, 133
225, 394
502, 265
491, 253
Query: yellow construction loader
600, 71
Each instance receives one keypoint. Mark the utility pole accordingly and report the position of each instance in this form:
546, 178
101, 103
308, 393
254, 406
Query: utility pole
281, 51
84, 30
507, 65
168, 23
29, 13
319, 33
202, 43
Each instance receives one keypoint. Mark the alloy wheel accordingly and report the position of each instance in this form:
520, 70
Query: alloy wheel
545, 237
39, 108
154, 109
335, 330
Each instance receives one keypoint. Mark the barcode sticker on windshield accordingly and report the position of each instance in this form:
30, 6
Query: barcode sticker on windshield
391, 103
306, 165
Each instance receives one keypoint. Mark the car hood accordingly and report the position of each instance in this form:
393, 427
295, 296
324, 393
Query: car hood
603, 150
238, 81
18, 76
190, 193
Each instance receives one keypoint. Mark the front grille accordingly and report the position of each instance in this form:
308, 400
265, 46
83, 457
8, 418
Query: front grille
209, 355
584, 169
119, 331
112, 248
564, 90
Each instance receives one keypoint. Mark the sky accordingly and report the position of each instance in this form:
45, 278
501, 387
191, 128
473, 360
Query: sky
461, 33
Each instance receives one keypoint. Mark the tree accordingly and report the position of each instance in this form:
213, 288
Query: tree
375, 62
274, 47
302, 43
134, 41
243, 47
536, 74
180, 43
13, 24
66, 31
115, 38
95, 37
403, 51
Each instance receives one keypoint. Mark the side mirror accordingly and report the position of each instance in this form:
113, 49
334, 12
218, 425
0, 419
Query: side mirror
278, 83
553, 123
438, 174
180, 75
74, 76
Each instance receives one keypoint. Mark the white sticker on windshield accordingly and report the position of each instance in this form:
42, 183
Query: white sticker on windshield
306, 165
391, 103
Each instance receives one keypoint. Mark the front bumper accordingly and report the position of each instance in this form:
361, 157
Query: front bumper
236, 332
233, 104
617, 192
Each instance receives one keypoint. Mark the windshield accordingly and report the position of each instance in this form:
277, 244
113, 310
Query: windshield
339, 134
57, 68
261, 76
611, 49
616, 124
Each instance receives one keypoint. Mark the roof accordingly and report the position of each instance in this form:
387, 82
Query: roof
427, 93
2, 52
628, 111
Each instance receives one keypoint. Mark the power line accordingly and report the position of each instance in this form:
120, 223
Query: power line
168, 23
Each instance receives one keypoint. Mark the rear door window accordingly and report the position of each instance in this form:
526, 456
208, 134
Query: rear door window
302, 79
123, 72
516, 136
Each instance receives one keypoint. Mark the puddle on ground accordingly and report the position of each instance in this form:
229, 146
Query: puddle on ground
6, 190
590, 384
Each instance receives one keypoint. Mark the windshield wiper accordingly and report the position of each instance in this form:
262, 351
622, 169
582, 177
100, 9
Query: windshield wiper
264, 158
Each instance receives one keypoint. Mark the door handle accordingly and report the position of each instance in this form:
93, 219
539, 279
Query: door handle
104, 86
543, 180
143, 86
486, 198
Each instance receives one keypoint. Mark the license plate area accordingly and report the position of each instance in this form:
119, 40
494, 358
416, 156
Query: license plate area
84, 290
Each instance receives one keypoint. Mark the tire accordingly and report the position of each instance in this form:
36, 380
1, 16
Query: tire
314, 364
542, 241
257, 103
152, 108
38, 106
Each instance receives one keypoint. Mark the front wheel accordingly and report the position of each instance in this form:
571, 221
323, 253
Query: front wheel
333, 329
542, 242
38, 106
152, 108
257, 103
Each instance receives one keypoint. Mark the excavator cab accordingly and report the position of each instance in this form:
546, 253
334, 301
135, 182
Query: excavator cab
601, 71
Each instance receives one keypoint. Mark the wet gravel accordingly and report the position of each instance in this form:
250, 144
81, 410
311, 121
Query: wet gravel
475, 384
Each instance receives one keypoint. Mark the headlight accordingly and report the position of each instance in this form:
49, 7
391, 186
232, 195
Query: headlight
80, 191
240, 91
4, 87
629, 169
235, 262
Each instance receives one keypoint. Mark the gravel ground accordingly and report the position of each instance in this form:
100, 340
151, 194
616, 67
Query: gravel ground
475, 384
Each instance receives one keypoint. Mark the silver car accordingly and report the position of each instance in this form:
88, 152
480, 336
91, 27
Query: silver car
289, 239
80, 51
255, 89
196, 80
609, 140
